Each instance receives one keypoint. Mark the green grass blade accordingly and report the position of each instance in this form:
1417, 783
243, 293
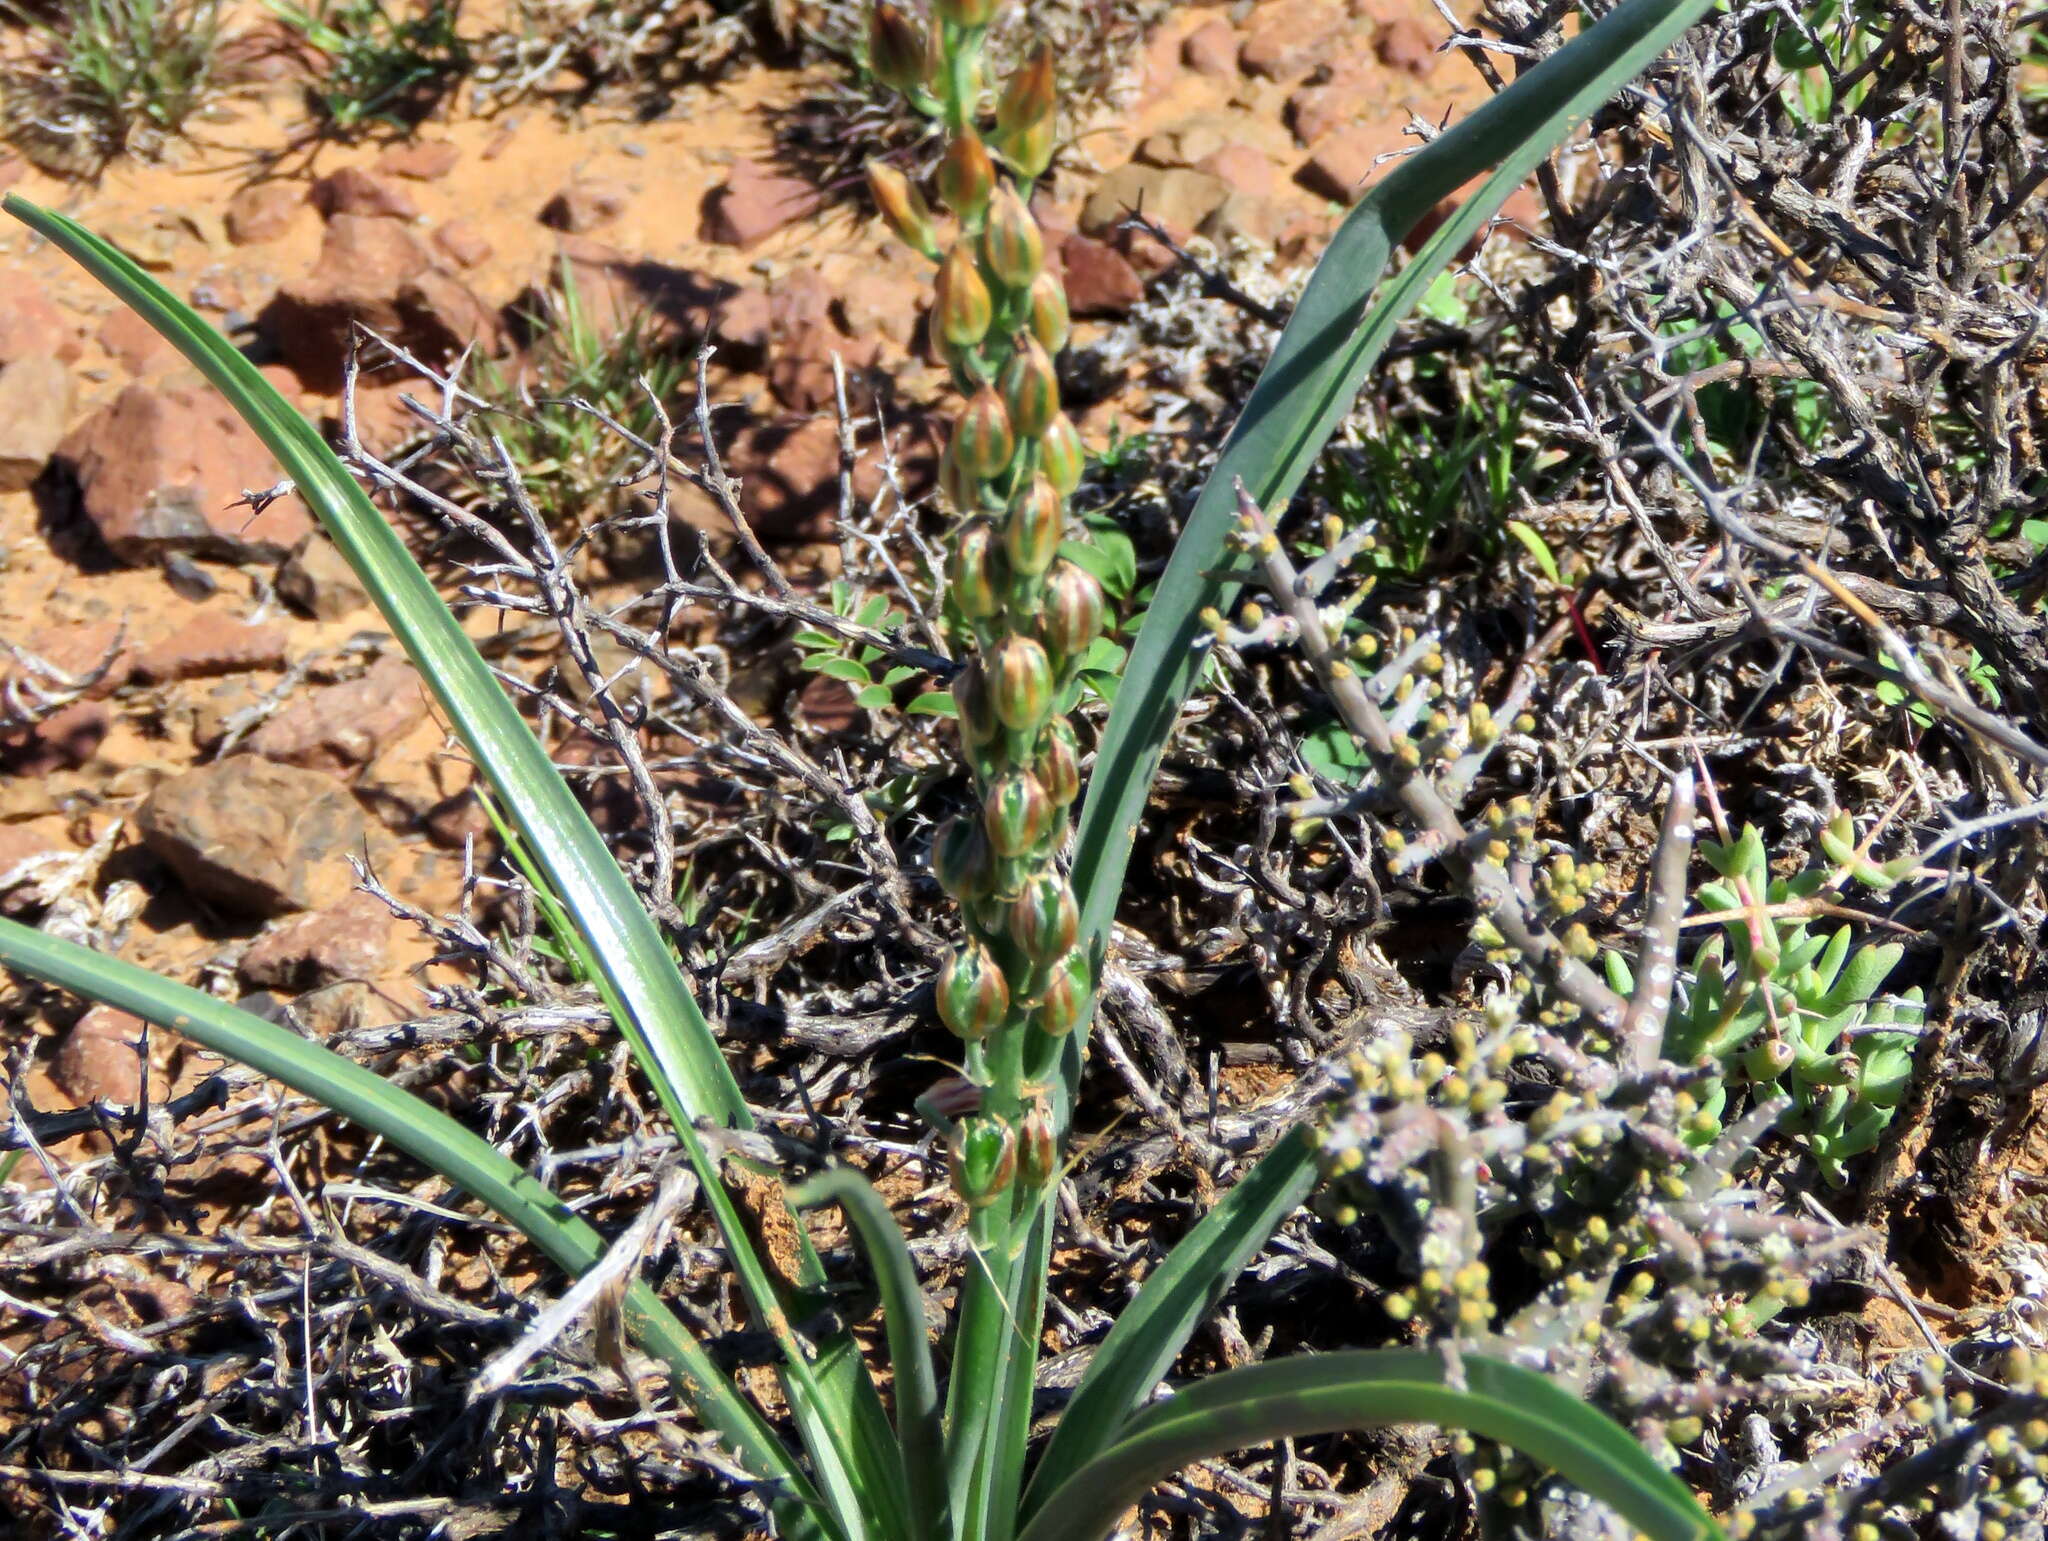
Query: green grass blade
1151, 1331
433, 1138
1330, 344
1323, 1393
919, 1429
835, 1402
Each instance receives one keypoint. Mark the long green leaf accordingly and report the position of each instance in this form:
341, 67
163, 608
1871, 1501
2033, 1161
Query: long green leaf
1329, 346
1324, 1393
834, 1402
1151, 1331
432, 1137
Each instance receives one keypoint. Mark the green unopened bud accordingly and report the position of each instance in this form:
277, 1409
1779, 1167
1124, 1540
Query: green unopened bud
1011, 243
982, 440
973, 572
1058, 767
1037, 1149
1050, 320
967, 176
977, 713
962, 861
1769, 1059
897, 49
1031, 389
1020, 683
961, 304
962, 491
1044, 919
1062, 455
1029, 149
1064, 1003
1029, 95
1016, 813
984, 1161
973, 996
964, 13
1072, 617
903, 206
1031, 533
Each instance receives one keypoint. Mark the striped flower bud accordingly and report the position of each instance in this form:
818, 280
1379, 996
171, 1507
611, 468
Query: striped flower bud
1043, 918
967, 176
972, 572
1031, 389
1029, 95
1072, 617
896, 49
1037, 1149
961, 304
1066, 999
1020, 683
904, 208
964, 13
1063, 457
961, 860
983, 441
1050, 320
973, 996
1010, 242
984, 1161
961, 490
1032, 531
1029, 149
1016, 813
978, 722
951, 1098
1058, 767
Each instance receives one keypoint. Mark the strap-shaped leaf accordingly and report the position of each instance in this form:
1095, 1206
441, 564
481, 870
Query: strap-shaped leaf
1323, 1393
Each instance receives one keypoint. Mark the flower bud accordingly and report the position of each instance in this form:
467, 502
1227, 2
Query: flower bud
961, 860
972, 572
1044, 920
1016, 813
973, 996
904, 208
1050, 320
1029, 149
965, 13
1032, 532
1031, 389
967, 176
984, 1161
978, 722
960, 489
1072, 617
1020, 683
1037, 1149
1058, 767
1063, 457
896, 49
1067, 998
951, 1098
1010, 241
1029, 95
982, 438
961, 305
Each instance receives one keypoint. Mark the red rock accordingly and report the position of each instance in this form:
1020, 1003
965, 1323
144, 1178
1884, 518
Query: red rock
789, 475
826, 705
463, 244
95, 656
211, 643
1100, 279
740, 327
352, 190
159, 471
804, 337
1335, 100
1242, 169
64, 740
1523, 211
100, 1059
317, 579
263, 212
31, 325
420, 160
18, 848
1407, 45
1177, 198
340, 728
1289, 38
35, 410
132, 340
753, 204
1345, 163
253, 836
345, 941
1212, 50
455, 821
586, 204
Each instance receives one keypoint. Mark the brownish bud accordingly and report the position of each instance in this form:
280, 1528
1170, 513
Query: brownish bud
1072, 617
904, 208
1031, 533
1031, 389
1037, 1149
1044, 919
1020, 683
1058, 767
951, 1098
978, 724
1068, 995
973, 572
965, 13
1029, 95
1010, 241
973, 996
961, 490
1016, 813
1050, 321
982, 439
1029, 149
897, 49
1063, 456
961, 303
967, 176
962, 861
